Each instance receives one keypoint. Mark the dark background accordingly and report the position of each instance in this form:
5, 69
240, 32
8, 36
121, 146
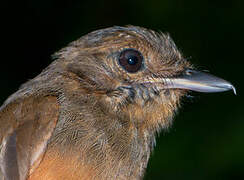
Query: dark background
207, 138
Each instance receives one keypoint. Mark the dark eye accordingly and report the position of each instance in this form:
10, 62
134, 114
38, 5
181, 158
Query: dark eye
131, 60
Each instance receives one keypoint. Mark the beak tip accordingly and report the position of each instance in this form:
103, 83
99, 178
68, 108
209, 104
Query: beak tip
234, 89
229, 86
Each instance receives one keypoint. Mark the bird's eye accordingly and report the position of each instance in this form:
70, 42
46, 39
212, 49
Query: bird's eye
131, 60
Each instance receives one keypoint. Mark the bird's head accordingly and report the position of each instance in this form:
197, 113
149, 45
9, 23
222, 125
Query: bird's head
135, 72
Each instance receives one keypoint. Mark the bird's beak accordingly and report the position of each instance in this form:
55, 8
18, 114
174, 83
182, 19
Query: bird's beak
200, 82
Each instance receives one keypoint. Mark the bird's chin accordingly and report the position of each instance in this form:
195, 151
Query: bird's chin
164, 107
158, 111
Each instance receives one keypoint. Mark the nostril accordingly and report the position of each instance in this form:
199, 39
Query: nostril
189, 72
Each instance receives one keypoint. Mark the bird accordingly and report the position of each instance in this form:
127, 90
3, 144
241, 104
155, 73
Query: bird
94, 112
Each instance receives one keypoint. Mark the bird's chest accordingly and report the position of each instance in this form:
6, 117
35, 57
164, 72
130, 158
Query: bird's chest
89, 142
116, 161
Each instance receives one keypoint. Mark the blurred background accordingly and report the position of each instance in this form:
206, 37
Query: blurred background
207, 138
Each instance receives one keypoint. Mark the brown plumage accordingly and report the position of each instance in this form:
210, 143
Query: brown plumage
94, 112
